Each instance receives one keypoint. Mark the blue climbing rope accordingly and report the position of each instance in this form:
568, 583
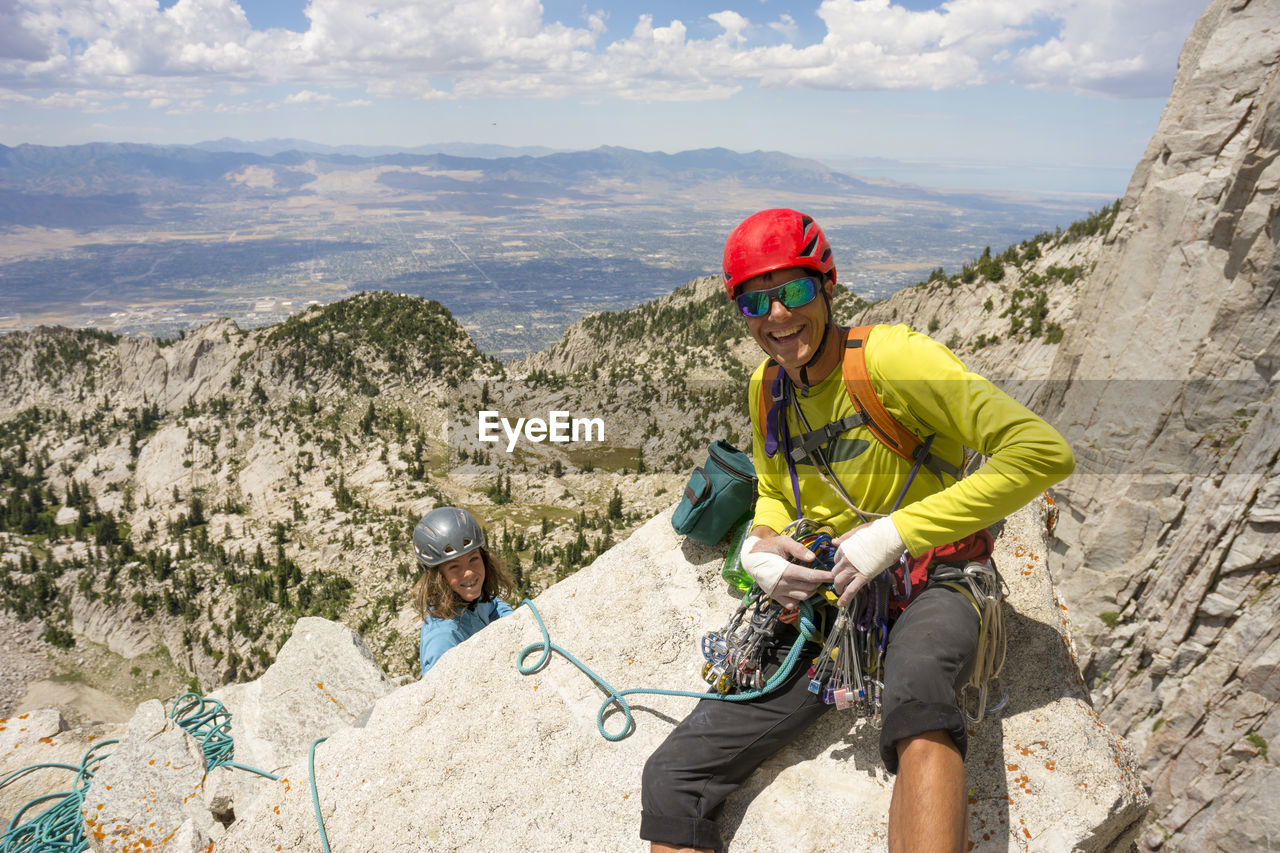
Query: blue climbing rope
616, 698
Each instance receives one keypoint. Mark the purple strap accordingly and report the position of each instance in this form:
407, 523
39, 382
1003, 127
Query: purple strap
921, 454
771, 438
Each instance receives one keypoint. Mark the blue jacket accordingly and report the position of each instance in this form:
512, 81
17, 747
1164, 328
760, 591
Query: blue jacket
440, 635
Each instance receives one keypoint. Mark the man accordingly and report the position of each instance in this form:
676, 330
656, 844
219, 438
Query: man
778, 267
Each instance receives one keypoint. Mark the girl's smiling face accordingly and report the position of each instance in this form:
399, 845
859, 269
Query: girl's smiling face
465, 575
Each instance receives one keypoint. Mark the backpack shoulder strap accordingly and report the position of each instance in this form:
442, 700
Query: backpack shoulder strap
771, 391
766, 389
857, 383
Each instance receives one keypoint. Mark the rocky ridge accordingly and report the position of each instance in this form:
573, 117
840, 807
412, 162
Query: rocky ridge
188, 499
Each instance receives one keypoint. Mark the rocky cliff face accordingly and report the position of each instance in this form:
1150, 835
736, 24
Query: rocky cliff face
1165, 384
1167, 390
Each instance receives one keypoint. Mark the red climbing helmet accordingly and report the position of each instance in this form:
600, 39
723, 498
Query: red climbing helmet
772, 240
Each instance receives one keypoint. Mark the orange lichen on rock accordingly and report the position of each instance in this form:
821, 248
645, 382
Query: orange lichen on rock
320, 687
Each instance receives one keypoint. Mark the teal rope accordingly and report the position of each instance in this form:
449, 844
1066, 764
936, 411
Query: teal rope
616, 697
315, 796
59, 828
209, 722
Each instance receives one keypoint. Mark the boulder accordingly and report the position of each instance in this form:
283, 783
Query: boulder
323, 679
147, 794
477, 756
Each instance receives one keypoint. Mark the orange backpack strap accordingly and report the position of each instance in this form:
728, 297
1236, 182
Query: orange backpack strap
857, 382
766, 393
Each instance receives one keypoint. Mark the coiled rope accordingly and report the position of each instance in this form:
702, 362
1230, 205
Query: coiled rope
60, 828
209, 722
617, 698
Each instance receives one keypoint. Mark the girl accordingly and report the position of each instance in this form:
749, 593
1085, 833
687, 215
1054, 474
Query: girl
458, 591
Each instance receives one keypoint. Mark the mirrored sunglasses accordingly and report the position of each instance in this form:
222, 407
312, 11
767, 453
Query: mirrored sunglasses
793, 294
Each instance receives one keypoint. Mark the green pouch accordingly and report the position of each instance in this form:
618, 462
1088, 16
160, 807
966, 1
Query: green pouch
719, 493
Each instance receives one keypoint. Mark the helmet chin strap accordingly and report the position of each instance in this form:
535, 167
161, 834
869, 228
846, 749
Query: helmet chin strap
822, 346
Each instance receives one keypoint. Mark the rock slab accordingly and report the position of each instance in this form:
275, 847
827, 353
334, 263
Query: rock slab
477, 756
324, 679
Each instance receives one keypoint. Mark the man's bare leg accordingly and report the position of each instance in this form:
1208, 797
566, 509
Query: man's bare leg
659, 847
928, 812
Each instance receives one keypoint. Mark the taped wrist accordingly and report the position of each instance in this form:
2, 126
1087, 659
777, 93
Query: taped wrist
765, 569
874, 548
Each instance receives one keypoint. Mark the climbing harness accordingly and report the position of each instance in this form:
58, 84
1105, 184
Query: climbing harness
60, 828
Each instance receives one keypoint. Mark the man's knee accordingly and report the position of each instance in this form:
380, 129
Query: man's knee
927, 743
656, 777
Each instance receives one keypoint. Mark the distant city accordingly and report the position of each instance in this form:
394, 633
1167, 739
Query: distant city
154, 240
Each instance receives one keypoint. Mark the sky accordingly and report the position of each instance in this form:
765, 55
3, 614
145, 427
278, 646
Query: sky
1053, 95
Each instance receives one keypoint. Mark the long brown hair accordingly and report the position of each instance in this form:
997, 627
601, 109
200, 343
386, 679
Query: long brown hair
432, 596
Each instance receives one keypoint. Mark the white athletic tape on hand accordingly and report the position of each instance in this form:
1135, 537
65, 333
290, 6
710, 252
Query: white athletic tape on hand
765, 568
873, 548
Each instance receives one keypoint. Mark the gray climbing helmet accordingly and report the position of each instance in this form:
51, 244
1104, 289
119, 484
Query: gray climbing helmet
444, 534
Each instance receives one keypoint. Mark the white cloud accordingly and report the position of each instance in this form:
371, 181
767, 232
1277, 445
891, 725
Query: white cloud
197, 54
734, 26
786, 25
1128, 48
309, 96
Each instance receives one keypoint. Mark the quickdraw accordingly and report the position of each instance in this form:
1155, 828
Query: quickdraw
847, 673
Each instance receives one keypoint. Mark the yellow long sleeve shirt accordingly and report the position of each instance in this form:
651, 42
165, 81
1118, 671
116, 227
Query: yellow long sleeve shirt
929, 391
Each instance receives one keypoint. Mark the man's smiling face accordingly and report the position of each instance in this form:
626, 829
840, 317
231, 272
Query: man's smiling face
791, 336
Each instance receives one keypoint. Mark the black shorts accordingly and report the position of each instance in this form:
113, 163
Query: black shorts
713, 750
